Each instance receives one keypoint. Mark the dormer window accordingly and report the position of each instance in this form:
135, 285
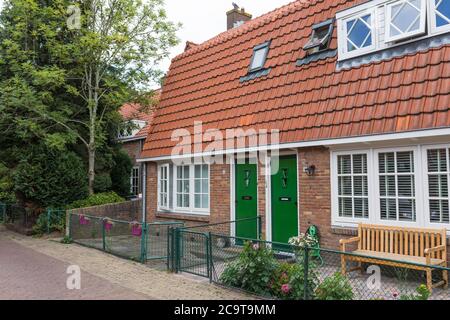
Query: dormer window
440, 16
405, 19
259, 57
384, 24
320, 37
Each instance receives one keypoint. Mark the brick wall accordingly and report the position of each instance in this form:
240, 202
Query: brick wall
315, 194
133, 149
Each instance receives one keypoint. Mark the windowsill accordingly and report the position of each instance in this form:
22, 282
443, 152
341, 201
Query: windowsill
255, 74
183, 216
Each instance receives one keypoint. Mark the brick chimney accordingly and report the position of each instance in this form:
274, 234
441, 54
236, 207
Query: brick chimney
237, 16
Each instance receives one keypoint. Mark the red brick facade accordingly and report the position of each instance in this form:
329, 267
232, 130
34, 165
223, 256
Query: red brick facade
314, 197
133, 149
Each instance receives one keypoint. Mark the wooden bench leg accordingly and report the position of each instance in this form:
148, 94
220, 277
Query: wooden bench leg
445, 277
343, 265
429, 280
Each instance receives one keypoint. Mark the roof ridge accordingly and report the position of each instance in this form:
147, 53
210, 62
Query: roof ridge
248, 26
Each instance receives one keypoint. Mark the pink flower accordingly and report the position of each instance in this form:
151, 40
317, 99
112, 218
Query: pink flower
395, 294
255, 246
285, 288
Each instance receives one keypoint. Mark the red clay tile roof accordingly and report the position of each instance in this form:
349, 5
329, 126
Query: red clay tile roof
132, 111
312, 102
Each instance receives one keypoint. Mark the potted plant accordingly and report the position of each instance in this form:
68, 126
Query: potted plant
136, 229
108, 224
84, 220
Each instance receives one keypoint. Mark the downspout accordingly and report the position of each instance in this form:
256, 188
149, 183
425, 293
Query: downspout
144, 192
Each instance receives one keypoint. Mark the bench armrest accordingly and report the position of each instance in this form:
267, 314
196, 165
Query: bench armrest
430, 251
344, 242
435, 249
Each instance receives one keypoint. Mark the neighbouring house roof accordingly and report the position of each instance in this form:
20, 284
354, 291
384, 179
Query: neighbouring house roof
131, 111
306, 98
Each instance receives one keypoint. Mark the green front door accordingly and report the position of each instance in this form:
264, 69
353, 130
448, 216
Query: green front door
246, 200
284, 199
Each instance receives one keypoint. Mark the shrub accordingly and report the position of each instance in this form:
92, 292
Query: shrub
335, 287
50, 177
57, 223
120, 173
422, 293
288, 281
102, 183
252, 271
96, 200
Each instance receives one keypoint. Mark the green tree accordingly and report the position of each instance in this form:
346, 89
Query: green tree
120, 174
50, 177
61, 82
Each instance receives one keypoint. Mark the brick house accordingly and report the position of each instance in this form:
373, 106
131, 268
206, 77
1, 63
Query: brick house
340, 111
137, 123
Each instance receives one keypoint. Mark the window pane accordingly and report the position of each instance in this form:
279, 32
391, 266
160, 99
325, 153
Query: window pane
344, 164
359, 33
198, 171
405, 186
197, 184
258, 58
406, 210
405, 16
442, 12
197, 201
205, 187
405, 162
359, 163
205, 173
205, 201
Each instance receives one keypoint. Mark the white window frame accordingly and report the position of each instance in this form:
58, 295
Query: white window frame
335, 188
191, 209
342, 27
417, 197
380, 36
432, 17
138, 181
422, 27
426, 206
161, 206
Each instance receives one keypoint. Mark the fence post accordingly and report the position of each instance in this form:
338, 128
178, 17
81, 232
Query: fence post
49, 215
177, 250
103, 235
144, 243
69, 223
209, 260
306, 272
259, 222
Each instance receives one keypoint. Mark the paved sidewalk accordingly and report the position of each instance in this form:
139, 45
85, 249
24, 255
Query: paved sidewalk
36, 269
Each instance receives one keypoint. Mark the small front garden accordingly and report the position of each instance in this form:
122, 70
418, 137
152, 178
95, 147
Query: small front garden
258, 269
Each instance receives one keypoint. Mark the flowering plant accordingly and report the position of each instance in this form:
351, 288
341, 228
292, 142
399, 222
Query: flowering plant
108, 224
84, 220
303, 241
136, 229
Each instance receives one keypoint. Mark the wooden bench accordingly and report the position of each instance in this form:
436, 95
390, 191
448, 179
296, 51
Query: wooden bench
416, 248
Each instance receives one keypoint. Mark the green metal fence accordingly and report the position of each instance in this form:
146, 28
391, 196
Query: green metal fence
130, 240
3, 212
282, 271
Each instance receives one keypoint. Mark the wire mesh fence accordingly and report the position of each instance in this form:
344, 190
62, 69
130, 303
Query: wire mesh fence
127, 239
286, 272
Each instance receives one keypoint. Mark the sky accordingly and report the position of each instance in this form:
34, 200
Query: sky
204, 19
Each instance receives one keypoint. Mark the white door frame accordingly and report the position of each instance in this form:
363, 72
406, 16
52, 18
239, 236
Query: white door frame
268, 164
233, 193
